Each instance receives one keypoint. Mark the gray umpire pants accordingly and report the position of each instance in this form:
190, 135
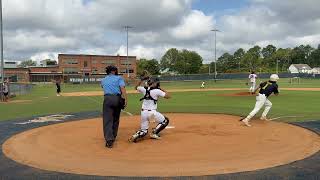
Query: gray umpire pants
111, 116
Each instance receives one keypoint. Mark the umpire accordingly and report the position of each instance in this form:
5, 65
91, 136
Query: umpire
115, 99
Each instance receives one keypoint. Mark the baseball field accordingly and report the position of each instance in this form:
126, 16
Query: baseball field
204, 138
300, 100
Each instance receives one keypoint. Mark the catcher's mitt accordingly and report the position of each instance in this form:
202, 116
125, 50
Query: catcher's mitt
145, 75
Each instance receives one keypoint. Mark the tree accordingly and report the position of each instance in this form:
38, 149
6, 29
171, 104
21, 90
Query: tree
268, 56
53, 62
314, 58
183, 62
169, 59
300, 54
268, 51
226, 63
152, 66
238, 57
192, 62
27, 63
252, 59
283, 58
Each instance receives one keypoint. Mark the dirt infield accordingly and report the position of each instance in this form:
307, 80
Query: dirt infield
199, 144
100, 93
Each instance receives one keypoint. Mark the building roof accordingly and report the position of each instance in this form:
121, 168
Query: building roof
48, 66
301, 66
93, 55
316, 68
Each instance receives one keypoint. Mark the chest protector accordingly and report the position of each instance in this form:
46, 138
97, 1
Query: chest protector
147, 96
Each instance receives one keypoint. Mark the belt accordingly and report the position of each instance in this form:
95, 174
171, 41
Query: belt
147, 109
112, 95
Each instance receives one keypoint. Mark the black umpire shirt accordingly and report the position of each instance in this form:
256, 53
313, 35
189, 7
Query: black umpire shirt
268, 87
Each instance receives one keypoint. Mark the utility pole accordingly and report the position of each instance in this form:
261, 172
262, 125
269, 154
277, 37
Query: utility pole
215, 52
1, 43
127, 29
277, 66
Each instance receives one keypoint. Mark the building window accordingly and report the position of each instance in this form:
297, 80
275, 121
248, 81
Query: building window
125, 62
85, 64
125, 71
70, 70
95, 71
108, 62
70, 61
94, 61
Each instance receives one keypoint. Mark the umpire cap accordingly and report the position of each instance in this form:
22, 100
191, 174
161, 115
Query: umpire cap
111, 68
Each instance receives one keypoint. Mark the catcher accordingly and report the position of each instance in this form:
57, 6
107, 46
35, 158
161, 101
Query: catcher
266, 89
151, 93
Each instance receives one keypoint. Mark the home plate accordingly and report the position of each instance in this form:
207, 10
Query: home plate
170, 127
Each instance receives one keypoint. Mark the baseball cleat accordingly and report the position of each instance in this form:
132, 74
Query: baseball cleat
246, 122
154, 136
264, 118
133, 139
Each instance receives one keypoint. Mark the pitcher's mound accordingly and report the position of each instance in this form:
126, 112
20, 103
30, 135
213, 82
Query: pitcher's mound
199, 144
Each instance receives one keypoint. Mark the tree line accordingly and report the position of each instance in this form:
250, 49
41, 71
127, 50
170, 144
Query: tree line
266, 59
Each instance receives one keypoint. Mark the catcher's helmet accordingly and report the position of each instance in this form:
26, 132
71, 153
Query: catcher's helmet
274, 77
153, 80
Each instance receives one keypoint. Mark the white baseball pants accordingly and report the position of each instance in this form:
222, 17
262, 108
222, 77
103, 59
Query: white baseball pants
146, 115
252, 87
261, 100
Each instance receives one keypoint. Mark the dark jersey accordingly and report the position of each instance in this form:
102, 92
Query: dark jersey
268, 88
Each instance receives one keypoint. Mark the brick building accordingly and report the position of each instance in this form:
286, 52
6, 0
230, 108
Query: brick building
78, 68
75, 68
44, 74
17, 74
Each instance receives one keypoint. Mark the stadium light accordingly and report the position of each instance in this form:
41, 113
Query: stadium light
1, 43
127, 29
215, 52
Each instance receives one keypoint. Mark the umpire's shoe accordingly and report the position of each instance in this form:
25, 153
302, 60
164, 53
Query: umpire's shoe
109, 144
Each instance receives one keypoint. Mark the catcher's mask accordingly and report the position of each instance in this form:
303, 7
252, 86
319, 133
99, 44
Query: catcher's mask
111, 68
153, 82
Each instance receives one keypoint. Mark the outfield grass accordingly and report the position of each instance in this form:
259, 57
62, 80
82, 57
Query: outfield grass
302, 104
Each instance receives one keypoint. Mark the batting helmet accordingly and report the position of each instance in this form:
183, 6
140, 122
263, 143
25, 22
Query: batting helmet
274, 77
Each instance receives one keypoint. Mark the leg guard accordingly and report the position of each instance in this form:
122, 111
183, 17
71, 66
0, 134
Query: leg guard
161, 126
138, 135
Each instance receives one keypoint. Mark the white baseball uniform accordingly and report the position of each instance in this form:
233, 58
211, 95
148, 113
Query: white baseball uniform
252, 78
149, 107
202, 85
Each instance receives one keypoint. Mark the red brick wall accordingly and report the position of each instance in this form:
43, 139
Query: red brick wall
96, 62
21, 73
44, 69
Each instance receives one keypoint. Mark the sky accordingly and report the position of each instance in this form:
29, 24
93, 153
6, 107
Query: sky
41, 29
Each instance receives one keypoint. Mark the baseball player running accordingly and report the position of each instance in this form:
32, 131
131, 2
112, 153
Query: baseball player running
151, 93
252, 79
266, 89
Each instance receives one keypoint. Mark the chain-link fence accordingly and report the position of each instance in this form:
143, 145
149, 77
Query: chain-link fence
16, 89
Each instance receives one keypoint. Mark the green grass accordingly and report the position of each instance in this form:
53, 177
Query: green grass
302, 104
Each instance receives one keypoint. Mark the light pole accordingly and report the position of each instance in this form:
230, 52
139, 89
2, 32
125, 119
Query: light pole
127, 29
215, 52
1, 43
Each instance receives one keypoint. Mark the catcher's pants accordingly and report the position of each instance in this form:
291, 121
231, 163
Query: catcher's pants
261, 100
146, 115
252, 87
